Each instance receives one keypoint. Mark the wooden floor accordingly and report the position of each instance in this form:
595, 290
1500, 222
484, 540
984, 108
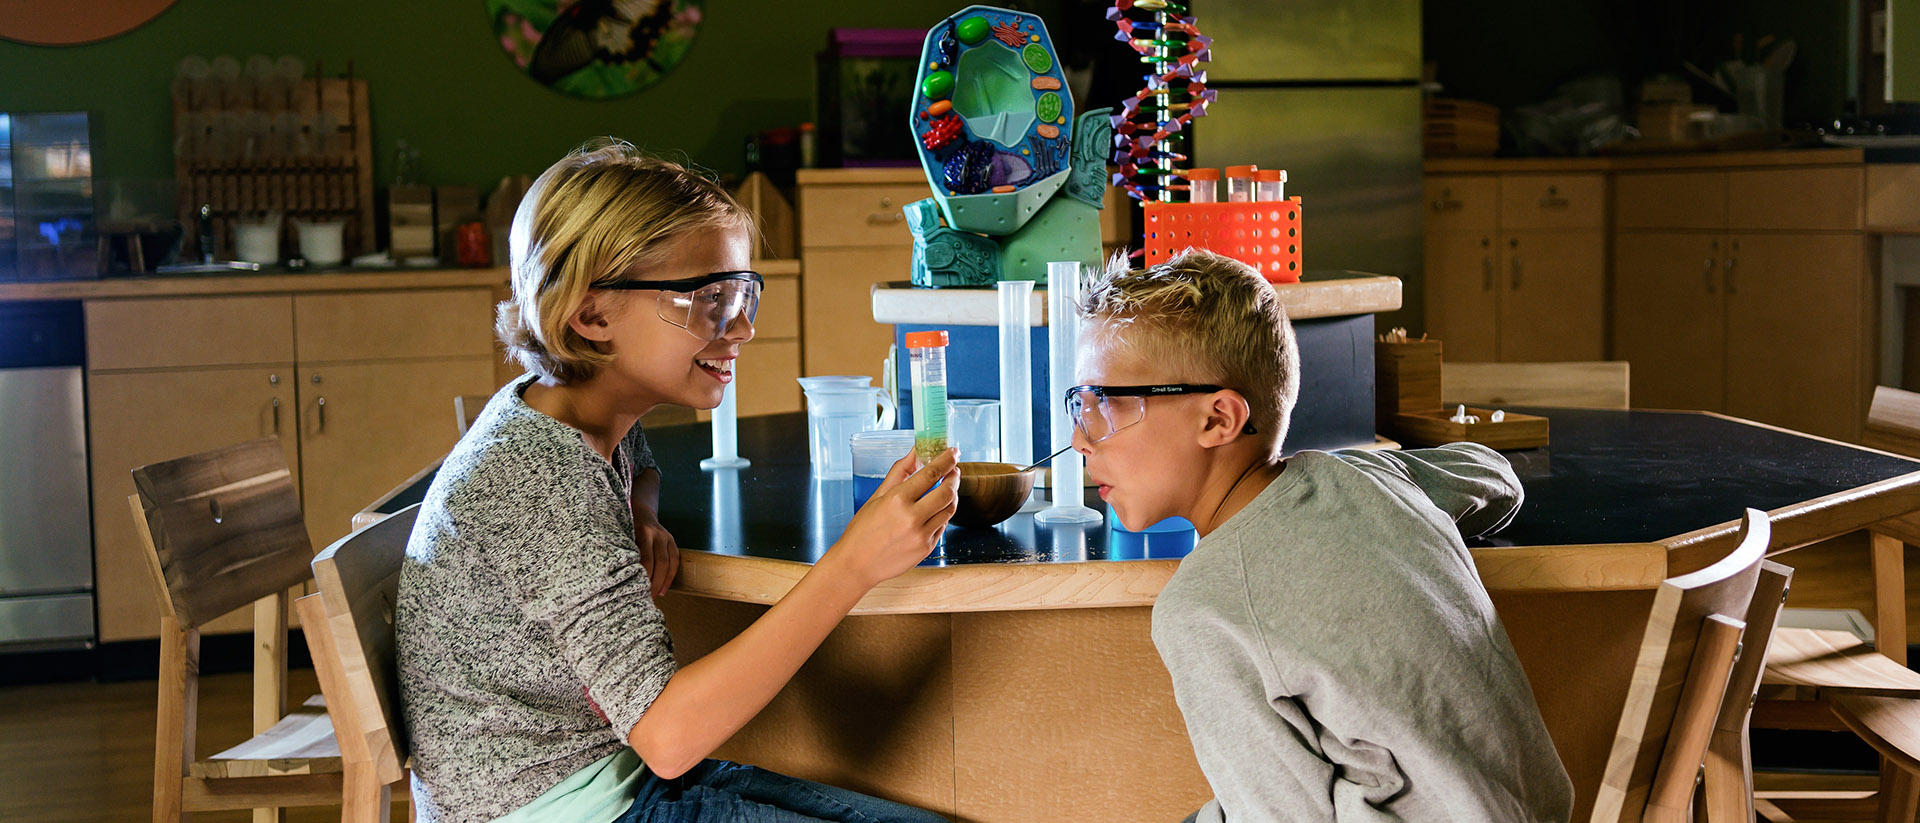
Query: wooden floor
83, 752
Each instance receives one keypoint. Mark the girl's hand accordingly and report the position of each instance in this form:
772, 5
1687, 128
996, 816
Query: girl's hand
899, 525
659, 554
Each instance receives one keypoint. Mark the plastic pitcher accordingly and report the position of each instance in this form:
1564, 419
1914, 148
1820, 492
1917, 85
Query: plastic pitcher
834, 413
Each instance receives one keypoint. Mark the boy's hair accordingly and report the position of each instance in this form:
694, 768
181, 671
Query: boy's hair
1210, 319
603, 208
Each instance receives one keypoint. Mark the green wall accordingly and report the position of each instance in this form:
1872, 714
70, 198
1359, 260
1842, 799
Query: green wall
439, 81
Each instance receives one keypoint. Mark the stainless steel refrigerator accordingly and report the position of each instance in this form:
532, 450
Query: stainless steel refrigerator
1330, 91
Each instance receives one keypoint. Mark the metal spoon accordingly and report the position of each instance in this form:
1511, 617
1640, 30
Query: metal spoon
1062, 451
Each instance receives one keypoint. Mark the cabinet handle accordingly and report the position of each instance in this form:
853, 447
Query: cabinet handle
1708, 275
276, 415
883, 218
322, 406
1551, 202
1515, 285
1444, 204
273, 380
1727, 274
1486, 273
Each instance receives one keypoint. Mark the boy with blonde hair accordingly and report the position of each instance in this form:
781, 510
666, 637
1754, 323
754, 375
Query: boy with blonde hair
1332, 649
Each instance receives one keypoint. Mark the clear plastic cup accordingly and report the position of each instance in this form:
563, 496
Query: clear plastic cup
874, 453
834, 414
974, 426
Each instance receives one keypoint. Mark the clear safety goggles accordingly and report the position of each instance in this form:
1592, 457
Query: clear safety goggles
1102, 411
706, 306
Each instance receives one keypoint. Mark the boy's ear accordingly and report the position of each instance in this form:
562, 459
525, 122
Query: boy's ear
591, 321
1227, 414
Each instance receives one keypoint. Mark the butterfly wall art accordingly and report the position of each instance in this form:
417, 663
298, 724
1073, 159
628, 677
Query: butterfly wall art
595, 48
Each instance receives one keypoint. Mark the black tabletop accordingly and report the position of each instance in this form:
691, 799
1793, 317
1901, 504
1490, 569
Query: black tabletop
1607, 477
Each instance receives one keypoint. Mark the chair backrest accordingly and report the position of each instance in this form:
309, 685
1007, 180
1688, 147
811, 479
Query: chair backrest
1595, 384
225, 526
359, 579
1679, 681
1728, 780
466, 408
1893, 421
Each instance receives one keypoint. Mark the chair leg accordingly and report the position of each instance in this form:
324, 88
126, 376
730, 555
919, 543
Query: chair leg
174, 717
1890, 597
1899, 794
364, 797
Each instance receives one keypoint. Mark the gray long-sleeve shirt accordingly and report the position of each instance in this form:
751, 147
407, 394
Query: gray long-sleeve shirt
1337, 659
522, 604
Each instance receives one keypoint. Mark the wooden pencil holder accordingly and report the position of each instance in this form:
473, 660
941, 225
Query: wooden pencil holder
1406, 378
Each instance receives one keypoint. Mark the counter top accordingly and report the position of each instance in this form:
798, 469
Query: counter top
1318, 294
1647, 162
1628, 487
197, 285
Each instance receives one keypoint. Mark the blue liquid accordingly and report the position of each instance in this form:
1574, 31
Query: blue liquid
863, 488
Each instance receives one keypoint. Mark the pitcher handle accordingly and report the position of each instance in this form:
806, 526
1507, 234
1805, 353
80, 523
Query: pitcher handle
888, 408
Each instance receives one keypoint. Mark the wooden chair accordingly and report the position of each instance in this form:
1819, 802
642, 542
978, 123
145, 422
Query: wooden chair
1608, 637
224, 529
1833, 681
350, 629
1727, 781
1678, 684
1598, 384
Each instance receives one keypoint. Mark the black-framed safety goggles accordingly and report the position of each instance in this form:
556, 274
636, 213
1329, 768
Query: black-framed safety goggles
1101, 411
706, 306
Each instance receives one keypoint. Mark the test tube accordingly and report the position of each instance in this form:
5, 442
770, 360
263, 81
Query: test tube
927, 366
1240, 184
1203, 185
1270, 184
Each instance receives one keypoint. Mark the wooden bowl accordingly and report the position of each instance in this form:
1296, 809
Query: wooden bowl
991, 492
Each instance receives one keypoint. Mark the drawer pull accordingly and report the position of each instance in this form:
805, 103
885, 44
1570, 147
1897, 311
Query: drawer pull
1727, 273
1446, 205
1486, 273
1708, 275
322, 405
1554, 202
276, 415
1516, 273
885, 218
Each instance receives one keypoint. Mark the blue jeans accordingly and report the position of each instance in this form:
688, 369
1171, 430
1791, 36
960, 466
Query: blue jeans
718, 791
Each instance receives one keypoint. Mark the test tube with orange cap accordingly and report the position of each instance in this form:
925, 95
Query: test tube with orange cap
1240, 183
1270, 184
1203, 185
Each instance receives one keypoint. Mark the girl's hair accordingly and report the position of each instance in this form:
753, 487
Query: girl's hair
599, 211
1207, 318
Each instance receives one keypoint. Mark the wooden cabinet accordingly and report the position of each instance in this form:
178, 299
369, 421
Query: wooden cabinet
358, 385
1516, 266
853, 235
1748, 292
136, 418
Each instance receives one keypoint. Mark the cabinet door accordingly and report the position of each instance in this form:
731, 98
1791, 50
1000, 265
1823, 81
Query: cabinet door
1669, 320
1462, 297
1553, 296
1797, 315
145, 417
366, 427
838, 335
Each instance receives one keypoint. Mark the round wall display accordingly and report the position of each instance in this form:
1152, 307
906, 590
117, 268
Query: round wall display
72, 24
595, 48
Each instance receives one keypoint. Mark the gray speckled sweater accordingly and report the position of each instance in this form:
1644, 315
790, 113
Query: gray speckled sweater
521, 595
1337, 659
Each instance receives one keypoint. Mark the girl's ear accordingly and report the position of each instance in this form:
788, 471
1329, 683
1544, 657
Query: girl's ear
1227, 415
591, 321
